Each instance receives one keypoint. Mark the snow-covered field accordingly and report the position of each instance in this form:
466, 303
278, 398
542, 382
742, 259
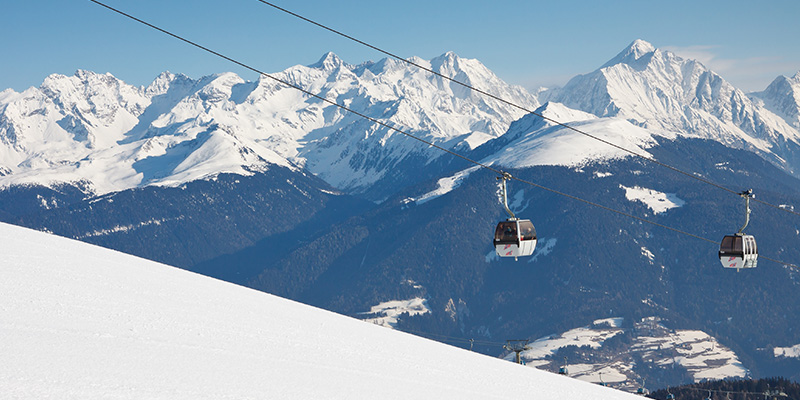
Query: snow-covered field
387, 313
82, 322
792, 352
695, 351
656, 201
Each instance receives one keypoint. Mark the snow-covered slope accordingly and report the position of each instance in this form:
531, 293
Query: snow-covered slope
661, 91
97, 129
535, 141
83, 322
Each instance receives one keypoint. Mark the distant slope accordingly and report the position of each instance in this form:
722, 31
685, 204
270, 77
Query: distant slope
185, 225
435, 244
85, 322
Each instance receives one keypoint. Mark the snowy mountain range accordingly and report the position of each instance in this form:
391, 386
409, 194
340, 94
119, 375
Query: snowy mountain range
258, 184
111, 136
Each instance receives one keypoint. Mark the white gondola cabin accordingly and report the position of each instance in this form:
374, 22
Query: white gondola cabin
515, 238
738, 251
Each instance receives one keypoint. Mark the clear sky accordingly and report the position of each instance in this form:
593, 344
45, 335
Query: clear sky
529, 43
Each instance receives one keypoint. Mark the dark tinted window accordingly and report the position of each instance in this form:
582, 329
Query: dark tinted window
506, 232
527, 231
731, 244
727, 244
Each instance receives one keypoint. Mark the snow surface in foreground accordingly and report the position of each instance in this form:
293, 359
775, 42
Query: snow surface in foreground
82, 322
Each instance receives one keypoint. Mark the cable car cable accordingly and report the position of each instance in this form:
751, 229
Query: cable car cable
522, 108
454, 338
495, 170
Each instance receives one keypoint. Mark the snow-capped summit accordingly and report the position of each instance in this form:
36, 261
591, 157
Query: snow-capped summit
782, 97
329, 61
663, 92
632, 55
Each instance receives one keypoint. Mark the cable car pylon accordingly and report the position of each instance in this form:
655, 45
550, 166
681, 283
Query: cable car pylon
513, 237
739, 250
563, 370
517, 346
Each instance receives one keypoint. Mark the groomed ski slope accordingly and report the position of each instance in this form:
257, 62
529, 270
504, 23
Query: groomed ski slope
83, 322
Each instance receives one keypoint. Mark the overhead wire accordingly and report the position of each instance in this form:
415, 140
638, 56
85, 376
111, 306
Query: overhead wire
395, 129
522, 108
293, 86
456, 339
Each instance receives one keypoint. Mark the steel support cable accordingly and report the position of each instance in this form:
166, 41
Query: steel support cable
454, 338
522, 108
333, 103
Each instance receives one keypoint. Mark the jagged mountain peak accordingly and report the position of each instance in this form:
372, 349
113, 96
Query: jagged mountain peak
642, 47
449, 57
451, 65
55, 83
162, 83
329, 61
637, 52
81, 78
782, 97
671, 95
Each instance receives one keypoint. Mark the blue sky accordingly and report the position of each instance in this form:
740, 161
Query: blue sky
530, 43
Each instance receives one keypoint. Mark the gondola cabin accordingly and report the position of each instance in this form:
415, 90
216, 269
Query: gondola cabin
515, 238
738, 251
